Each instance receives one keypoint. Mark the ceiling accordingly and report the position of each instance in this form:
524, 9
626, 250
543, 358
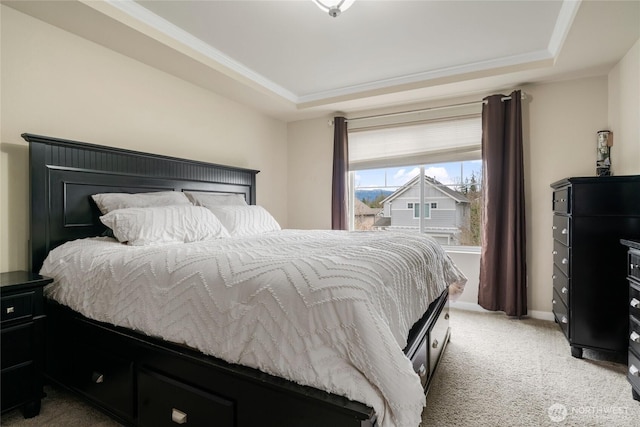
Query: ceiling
293, 61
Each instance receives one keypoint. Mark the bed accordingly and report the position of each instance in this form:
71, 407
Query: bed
153, 377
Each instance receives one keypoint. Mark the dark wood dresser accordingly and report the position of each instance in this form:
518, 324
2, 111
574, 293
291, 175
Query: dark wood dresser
633, 276
22, 341
590, 290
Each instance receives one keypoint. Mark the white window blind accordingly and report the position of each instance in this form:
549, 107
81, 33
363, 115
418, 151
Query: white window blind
444, 140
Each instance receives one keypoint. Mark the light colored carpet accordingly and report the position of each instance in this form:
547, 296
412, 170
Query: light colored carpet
499, 371
496, 371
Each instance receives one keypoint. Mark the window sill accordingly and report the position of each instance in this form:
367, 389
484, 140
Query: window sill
462, 249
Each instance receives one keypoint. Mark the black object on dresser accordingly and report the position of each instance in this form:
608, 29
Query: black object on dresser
633, 275
590, 289
22, 340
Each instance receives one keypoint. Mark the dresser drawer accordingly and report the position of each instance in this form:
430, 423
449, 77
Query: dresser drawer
561, 284
634, 302
634, 334
419, 361
561, 228
633, 264
561, 201
634, 370
17, 344
164, 401
19, 306
561, 257
560, 312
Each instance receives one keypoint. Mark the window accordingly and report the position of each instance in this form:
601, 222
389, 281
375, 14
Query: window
426, 212
438, 195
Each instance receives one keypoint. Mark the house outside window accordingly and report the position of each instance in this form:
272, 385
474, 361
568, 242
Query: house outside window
454, 219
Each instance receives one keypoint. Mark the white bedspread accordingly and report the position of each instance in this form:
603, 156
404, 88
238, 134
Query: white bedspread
327, 309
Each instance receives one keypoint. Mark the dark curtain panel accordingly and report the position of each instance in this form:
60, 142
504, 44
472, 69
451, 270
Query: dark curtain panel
339, 209
503, 284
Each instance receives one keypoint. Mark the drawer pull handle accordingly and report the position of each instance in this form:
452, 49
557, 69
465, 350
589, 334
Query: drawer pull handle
564, 290
565, 261
635, 337
554, 227
178, 416
633, 266
635, 303
553, 302
97, 378
11, 310
564, 231
554, 253
554, 277
422, 370
564, 319
435, 344
634, 371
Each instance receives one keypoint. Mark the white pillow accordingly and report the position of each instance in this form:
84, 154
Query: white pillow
215, 199
245, 220
164, 224
108, 202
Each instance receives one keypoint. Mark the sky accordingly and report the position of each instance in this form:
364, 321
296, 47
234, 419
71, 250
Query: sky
446, 173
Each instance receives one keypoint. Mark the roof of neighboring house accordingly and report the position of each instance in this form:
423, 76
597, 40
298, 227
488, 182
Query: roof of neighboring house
384, 221
362, 209
455, 195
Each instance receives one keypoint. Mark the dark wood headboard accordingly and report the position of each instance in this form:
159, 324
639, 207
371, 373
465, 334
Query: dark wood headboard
64, 174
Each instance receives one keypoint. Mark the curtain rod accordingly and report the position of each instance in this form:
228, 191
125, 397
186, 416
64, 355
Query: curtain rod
442, 107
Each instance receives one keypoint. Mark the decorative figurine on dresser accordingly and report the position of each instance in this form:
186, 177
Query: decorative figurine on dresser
633, 275
590, 290
22, 341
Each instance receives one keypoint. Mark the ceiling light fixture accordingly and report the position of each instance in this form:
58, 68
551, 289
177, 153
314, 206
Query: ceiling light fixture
334, 7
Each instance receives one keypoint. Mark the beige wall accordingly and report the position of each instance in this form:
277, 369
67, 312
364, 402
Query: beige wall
57, 84
560, 122
624, 113
310, 168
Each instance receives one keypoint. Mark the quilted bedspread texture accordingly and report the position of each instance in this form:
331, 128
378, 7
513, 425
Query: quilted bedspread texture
327, 309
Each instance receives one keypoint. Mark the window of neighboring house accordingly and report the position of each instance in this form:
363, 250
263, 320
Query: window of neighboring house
426, 211
382, 174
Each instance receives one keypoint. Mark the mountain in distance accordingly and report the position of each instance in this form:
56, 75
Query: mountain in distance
370, 195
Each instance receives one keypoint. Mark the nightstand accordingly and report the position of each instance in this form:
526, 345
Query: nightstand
22, 341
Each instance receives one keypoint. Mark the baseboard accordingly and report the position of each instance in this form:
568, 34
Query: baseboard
469, 306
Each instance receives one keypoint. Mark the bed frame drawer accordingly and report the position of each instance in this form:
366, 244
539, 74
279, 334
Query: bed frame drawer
164, 401
105, 378
420, 362
438, 338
